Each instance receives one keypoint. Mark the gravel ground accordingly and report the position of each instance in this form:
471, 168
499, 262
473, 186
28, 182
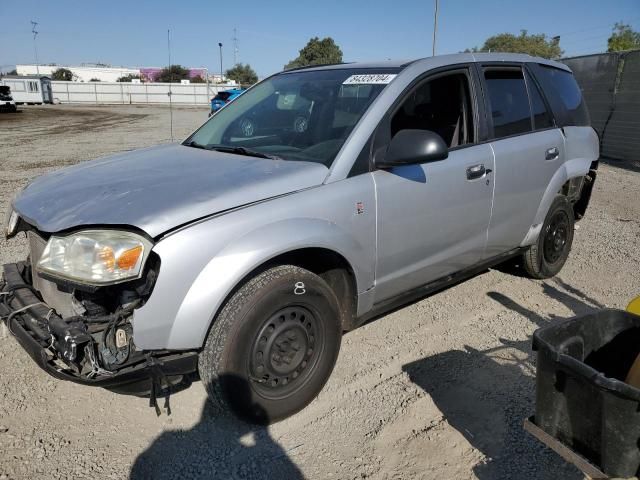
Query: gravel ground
438, 389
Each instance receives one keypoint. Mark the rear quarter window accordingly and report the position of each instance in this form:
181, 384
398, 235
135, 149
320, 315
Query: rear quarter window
564, 95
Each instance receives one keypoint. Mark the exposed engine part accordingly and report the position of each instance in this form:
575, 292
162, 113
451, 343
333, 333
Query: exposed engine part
116, 346
121, 338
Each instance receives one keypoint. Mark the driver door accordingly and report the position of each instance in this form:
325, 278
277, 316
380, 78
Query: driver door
433, 217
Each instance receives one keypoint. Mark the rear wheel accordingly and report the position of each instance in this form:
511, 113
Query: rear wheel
547, 256
273, 345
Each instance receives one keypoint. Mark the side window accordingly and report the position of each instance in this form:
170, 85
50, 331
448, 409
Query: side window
565, 95
541, 116
442, 105
33, 87
16, 86
509, 102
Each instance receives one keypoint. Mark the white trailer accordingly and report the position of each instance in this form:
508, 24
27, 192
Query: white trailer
30, 89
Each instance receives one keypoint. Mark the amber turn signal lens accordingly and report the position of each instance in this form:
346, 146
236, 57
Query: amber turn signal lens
129, 258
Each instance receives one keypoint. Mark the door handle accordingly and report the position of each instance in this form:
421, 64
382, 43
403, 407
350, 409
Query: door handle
477, 171
552, 153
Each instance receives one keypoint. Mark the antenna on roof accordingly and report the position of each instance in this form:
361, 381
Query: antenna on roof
170, 82
35, 46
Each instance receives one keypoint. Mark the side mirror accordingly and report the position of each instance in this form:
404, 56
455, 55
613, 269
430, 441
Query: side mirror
410, 147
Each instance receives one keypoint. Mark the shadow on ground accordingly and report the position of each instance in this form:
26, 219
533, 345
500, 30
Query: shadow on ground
218, 447
633, 166
486, 395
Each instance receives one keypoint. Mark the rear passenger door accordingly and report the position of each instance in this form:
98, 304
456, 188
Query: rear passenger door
528, 150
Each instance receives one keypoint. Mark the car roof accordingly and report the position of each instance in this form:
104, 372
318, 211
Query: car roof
452, 59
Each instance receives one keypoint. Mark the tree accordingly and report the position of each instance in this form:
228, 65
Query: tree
623, 38
243, 74
537, 45
11, 72
173, 73
62, 74
128, 78
197, 79
95, 80
317, 52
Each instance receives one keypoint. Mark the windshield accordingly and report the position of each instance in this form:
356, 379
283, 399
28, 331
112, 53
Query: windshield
222, 96
304, 116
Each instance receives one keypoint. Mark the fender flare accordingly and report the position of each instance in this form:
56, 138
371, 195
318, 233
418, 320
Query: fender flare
231, 264
576, 167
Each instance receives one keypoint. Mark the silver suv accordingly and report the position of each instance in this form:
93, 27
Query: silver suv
241, 255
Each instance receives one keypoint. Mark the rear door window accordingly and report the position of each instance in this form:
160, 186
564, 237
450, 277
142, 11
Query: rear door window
510, 109
564, 94
541, 115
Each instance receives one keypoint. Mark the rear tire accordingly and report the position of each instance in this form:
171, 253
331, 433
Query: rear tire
273, 346
546, 257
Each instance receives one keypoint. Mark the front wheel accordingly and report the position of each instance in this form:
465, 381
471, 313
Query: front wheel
273, 346
547, 256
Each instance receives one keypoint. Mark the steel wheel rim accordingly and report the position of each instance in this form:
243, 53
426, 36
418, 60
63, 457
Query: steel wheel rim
556, 236
285, 352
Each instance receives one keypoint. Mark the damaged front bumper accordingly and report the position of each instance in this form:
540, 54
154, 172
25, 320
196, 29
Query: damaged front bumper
69, 349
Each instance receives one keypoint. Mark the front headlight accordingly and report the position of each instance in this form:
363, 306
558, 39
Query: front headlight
95, 257
12, 223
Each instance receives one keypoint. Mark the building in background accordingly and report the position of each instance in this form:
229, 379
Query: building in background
30, 89
107, 73
150, 74
82, 73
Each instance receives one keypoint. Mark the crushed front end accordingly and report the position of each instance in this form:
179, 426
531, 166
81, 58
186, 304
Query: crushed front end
84, 333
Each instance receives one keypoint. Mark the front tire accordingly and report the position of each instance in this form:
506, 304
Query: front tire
547, 256
273, 346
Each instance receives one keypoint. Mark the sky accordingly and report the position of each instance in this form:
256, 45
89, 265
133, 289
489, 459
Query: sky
270, 33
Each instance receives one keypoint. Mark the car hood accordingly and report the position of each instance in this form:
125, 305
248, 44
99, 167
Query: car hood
157, 189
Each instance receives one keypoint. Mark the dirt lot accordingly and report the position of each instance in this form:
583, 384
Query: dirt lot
437, 390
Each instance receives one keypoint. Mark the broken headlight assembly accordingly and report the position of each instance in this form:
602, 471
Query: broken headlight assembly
95, 257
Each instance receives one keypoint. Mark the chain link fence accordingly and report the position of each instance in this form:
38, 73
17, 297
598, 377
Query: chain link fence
610, 83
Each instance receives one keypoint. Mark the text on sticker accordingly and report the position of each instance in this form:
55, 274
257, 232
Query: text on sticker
371, 79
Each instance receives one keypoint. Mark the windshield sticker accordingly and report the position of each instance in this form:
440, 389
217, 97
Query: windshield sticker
371, 79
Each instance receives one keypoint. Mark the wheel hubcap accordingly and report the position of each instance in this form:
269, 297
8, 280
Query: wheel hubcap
285, 350
556, 236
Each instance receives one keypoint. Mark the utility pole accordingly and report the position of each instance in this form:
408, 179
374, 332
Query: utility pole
170, 82
35, 46
435, 29
235, 47
220, 45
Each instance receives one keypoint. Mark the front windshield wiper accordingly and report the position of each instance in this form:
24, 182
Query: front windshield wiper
195, 144
241, 151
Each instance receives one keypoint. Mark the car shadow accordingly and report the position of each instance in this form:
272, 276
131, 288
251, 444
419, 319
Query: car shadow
219, 446
486, 395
